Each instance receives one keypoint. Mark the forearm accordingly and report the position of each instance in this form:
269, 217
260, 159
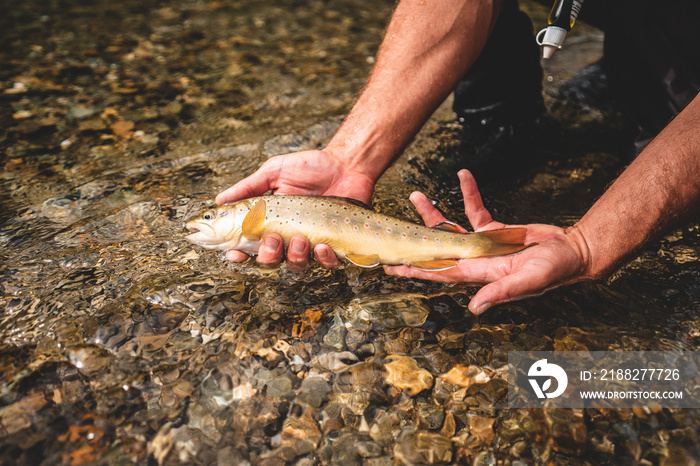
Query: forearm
428, 47
659, 190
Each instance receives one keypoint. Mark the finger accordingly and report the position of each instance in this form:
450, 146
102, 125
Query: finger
476, 270
426, 209
236, 256
445, 276
509, 288
271, 250
298, 251
477, 214
325, 255
255, 185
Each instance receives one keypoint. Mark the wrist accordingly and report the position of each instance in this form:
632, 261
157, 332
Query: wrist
580, 246
361, 151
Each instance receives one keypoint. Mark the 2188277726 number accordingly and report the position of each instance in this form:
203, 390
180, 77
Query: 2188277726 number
640, 374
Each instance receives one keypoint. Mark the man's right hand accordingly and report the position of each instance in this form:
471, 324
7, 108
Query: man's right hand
314, 172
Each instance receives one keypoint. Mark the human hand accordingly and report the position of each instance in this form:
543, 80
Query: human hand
556, 257
314, 172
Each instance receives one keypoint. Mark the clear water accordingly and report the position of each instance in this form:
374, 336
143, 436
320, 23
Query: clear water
121, 343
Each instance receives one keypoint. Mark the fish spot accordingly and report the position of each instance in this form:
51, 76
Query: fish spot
464, 239
334, 222
437, 239
404, 235
366, 225
379, 222
425, 238
347, 220
323, 214
308, 213
355, 228
388, 230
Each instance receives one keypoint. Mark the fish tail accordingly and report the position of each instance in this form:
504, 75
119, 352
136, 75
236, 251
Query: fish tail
504, 241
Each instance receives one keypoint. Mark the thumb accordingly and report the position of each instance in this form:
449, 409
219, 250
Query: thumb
255, 185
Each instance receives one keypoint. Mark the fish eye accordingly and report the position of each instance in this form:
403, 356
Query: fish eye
208, 216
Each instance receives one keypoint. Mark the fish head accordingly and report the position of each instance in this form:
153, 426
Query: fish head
218, 228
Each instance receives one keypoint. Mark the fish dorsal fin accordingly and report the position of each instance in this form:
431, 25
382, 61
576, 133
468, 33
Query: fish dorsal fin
370, 260
351, 201
254, 223
449, 226
435, 265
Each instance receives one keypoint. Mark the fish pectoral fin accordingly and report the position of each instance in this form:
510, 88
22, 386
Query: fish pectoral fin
504, 241
434, 265
370, 260
449, 226
254, 223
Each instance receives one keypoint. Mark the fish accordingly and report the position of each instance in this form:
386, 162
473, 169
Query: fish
356, 234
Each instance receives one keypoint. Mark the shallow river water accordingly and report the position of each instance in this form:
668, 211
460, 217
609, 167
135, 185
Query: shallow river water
121, 343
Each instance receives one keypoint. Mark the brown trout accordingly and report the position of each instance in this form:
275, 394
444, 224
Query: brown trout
357, 234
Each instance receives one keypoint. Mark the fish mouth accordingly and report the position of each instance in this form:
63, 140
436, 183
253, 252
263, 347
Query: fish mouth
196, 227
201, 233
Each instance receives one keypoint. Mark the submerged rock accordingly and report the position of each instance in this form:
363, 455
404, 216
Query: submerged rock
300, 434
403, 372
422, 447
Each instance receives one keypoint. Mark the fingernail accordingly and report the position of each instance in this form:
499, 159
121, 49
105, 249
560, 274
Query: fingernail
271, 244
321, 254
481, 309
297, 246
